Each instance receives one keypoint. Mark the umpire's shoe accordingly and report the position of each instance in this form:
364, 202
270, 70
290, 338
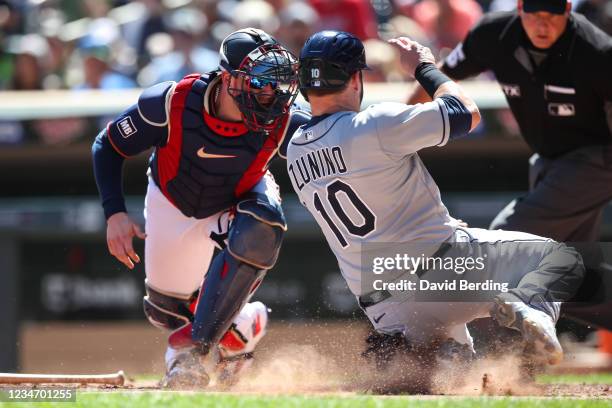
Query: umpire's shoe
537, 328
186, 371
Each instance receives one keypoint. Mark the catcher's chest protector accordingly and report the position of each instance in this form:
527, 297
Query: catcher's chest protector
208, 163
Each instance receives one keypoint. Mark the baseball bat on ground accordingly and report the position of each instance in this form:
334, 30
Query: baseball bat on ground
117, 378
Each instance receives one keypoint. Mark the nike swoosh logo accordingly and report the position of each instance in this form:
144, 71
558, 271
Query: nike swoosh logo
202, 154
377, 319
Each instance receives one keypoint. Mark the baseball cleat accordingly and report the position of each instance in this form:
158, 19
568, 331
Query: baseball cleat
228, 371
186, 371
237, 345
537, 328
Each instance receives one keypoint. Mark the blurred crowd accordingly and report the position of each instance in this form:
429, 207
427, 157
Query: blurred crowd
112, 44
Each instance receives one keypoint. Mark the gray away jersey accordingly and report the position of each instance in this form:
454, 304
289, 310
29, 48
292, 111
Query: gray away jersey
361, 178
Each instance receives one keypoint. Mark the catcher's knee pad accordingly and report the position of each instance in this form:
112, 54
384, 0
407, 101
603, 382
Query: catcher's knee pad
165, 311
257, 232
246, 331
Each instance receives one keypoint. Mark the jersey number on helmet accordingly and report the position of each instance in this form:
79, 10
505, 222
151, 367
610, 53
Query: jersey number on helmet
369, 219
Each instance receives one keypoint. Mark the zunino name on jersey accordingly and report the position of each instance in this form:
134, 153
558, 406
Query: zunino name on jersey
317, 164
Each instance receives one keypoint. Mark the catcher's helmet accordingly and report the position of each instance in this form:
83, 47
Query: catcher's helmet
237, 46
329, 59
257, 58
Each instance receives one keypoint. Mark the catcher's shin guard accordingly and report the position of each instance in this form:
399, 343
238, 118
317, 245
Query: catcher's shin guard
226, 289
254, 243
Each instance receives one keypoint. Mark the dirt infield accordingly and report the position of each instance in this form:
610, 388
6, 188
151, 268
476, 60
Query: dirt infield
320, 388
294, 358
138, 348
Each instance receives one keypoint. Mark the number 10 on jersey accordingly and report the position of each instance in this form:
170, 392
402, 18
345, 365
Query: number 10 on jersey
333, 190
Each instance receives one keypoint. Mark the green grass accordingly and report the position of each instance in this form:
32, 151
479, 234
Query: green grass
596, 378
202, 400
210, 400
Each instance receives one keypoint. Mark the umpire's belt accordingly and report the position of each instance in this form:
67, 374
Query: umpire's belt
377, 296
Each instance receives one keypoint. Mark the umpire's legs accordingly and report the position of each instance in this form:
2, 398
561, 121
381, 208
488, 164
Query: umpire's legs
566, 197
566, 200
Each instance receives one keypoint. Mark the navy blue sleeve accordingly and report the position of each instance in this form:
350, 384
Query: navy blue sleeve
137, 129
108, 166
144, 124
459, 118
299, 117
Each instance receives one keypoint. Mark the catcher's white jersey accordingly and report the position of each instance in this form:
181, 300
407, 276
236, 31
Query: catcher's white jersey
360, 176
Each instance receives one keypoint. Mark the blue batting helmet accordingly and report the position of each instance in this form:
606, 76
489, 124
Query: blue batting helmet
329, 59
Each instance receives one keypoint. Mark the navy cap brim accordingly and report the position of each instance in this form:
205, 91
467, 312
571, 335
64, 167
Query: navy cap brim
550, 6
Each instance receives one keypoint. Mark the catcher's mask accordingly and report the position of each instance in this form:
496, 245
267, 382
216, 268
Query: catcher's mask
267, 86
266, 78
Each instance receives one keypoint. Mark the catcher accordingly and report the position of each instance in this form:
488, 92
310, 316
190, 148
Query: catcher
213, 136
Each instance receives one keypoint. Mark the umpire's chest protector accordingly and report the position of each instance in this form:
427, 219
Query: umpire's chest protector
207, 164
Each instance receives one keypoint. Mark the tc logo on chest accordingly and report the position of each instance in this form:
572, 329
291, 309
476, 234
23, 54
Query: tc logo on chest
126, 127
561, 109
511, 90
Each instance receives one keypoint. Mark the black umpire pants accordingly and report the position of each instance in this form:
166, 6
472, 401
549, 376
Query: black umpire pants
565, 202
